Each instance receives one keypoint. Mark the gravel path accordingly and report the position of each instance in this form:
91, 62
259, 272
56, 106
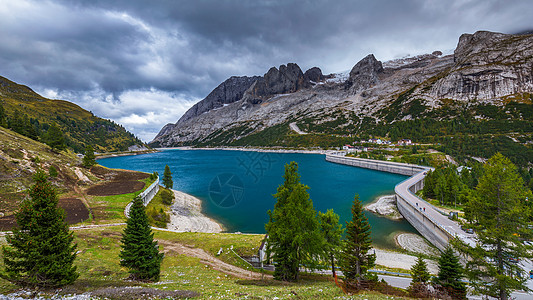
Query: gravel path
399, 260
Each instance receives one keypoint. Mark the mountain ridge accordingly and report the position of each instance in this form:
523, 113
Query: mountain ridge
486, 69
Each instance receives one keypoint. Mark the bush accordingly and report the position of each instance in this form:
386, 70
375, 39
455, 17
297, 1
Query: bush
167, 197
52, 171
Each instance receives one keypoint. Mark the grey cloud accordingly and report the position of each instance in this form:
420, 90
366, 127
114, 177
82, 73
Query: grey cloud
102, 49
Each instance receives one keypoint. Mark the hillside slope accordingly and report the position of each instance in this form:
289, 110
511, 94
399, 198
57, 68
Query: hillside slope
80, 126
481, 93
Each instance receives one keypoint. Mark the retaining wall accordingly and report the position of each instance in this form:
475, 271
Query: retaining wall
147, 196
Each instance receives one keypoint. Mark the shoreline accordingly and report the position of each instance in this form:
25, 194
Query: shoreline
303, 151
186, 215
108, 155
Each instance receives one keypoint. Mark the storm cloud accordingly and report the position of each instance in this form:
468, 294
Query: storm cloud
144, 63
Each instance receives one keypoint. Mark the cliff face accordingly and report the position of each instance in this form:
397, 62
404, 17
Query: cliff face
486, 67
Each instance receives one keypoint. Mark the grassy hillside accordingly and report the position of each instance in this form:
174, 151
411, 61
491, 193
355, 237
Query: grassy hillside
20, 156
32, 114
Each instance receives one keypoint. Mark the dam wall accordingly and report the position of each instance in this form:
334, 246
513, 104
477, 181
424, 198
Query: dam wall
429, 222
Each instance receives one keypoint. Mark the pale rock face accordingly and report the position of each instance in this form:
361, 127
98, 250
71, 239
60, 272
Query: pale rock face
484, 67
488, 66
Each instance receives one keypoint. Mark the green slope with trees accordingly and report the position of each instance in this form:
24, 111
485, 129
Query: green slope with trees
26, 112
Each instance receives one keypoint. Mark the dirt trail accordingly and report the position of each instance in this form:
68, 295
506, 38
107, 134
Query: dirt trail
208, 259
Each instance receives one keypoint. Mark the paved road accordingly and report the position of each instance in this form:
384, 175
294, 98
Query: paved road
429, 211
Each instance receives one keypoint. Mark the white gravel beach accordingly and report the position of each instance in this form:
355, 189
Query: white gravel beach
186, 215
415, 243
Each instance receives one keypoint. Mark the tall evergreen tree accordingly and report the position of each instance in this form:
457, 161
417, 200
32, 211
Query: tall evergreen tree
450, 274
501, 216
40, 251
3, 117
294, 237
89, 159
419, 271
55, 138
140, 252
167, 178
332, 232
355, 259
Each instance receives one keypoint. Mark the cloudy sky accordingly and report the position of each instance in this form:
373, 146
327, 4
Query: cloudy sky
144, 63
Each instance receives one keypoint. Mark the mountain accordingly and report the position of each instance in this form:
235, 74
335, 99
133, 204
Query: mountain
29, 113
483, 92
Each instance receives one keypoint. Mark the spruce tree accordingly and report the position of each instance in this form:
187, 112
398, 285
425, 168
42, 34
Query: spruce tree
89, 159
40, 252
450, 274
167, 178
140, 252
55, 138
355, 259
293, 232
332, 232
419, 271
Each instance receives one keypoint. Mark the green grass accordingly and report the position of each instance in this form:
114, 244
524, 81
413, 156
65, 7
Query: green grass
154, 207
98, 264
110, 209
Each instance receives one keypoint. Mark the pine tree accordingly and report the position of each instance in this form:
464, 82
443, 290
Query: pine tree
40, 251
450, 274
55, 138
140, 252
419, 271
501, 214
332, 232
167, 178
89, 159
355, 259
293, 233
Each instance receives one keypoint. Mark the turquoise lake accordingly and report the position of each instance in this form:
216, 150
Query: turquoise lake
236, 187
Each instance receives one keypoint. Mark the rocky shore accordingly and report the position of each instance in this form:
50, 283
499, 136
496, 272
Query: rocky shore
385, 206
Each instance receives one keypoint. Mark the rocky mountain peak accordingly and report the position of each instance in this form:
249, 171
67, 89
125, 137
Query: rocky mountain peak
364, 74
227, 92
469, 43
287, 79
314, 74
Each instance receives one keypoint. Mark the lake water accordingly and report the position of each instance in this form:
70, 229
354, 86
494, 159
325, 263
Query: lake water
236, 187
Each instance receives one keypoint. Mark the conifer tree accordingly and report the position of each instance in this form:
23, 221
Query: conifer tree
332, 232
89, 159
40, 251
167, 178
419, 271
450, 274
55, 138
501, 213
294, 237
140, 252
355, 259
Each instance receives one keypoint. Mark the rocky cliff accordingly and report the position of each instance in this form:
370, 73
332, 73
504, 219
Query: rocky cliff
486, 68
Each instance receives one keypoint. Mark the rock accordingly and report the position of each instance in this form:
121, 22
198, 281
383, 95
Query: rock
488, 65
288, 79
364, 74
314, 74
